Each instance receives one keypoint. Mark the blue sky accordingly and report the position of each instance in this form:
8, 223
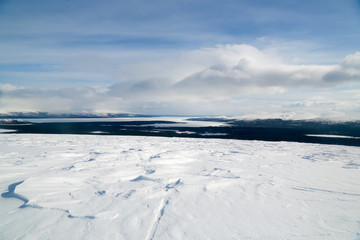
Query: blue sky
296, 59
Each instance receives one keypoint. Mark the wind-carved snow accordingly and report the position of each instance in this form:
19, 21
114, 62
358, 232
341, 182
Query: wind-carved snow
117, 187
11, 194
161, 210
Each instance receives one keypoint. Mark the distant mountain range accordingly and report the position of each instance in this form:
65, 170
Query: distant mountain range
67, 115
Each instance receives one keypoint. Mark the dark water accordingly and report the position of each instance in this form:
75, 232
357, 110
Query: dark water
265, 130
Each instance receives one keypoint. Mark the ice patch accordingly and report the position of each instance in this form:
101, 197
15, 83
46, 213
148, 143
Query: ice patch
213, 134
331, 136
98, 132
7, 130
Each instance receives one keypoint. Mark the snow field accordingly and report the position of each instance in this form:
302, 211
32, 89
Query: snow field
119, 187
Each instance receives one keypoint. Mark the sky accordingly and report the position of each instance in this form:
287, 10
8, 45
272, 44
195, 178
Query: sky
255, 59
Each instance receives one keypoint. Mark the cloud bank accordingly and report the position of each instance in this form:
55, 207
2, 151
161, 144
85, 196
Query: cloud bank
222, 80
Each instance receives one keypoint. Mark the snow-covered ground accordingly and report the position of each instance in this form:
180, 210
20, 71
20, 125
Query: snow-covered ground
117, 187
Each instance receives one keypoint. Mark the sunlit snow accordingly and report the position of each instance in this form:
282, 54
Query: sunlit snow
120, 187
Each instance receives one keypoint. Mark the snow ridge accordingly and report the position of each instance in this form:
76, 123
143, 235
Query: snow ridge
11, 194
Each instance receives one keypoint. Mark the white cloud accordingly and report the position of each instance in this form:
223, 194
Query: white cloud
231, 71
226, 79
256, 68
7, 87
347, 71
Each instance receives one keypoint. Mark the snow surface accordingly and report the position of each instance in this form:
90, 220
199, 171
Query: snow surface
121, 187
